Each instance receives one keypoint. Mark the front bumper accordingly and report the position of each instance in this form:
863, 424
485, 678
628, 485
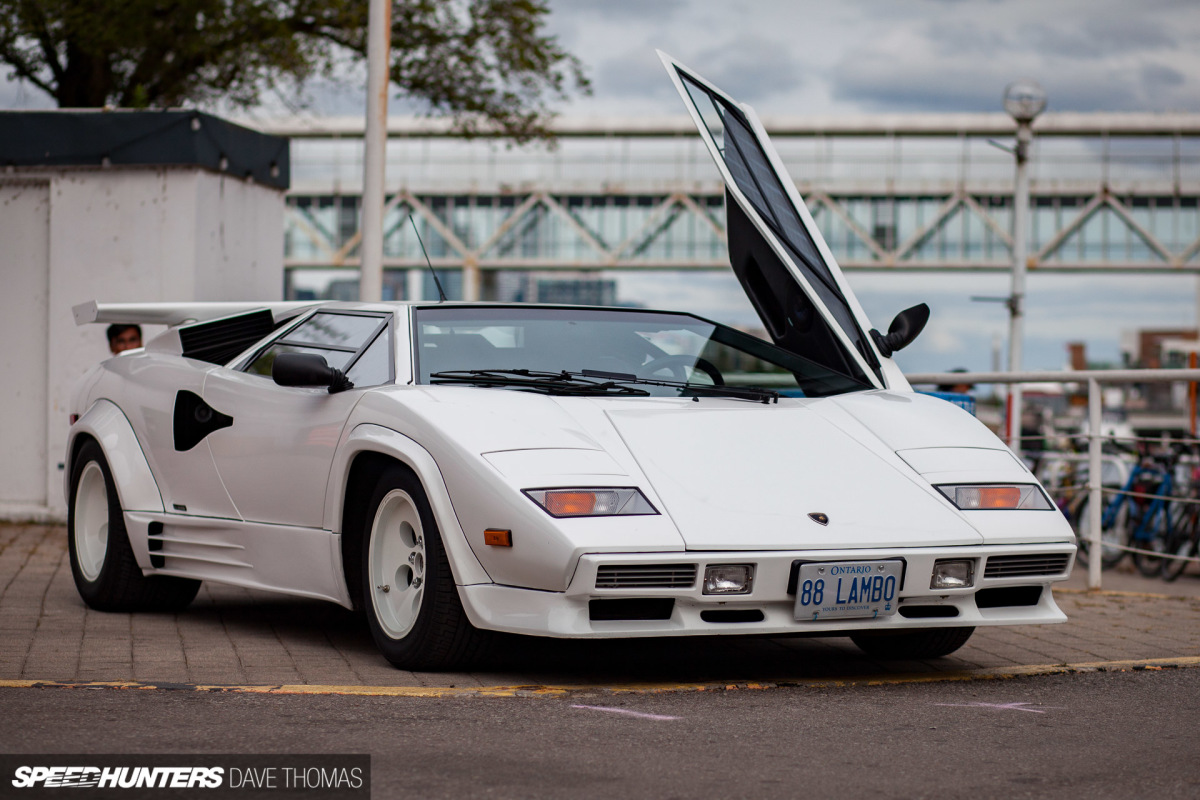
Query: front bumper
769, 609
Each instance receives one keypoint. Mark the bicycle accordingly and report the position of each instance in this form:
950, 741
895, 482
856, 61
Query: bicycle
1139, 516
1183, 540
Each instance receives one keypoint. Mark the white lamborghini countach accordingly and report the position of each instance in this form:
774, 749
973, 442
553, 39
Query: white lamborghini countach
454, 469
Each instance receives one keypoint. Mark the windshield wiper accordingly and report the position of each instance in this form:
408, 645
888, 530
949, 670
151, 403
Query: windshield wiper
564, 382
764, 396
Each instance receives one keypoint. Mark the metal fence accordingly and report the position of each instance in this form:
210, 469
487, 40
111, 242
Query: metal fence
1093, 379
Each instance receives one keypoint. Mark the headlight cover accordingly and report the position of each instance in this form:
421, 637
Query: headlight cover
592, 502
996, 496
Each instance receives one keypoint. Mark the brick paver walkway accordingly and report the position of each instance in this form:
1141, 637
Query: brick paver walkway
235, 636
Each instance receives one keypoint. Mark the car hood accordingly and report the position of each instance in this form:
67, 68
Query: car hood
730, 474
742, 476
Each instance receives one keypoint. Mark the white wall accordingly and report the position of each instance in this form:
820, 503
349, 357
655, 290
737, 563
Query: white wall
24, 293
115, 235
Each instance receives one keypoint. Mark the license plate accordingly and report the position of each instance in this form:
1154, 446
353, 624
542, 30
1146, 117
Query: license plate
847, 589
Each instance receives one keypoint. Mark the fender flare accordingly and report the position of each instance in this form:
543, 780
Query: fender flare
106, 423
371, 438
137, 490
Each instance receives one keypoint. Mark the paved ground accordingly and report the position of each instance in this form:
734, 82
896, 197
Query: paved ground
232, 636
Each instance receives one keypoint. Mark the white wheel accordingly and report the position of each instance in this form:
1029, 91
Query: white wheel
91, 521
407, 587
397, 564
102, 563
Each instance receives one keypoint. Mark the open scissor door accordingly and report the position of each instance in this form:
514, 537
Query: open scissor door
775, 248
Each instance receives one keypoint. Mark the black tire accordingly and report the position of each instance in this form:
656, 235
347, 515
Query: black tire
920, 644
102, 562
1182, 541
1116, 533
407, 589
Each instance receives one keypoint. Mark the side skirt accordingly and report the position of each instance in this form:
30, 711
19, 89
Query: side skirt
305, 562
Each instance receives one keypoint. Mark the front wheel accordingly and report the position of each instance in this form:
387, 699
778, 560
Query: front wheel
408, 591
102, 561
920, 644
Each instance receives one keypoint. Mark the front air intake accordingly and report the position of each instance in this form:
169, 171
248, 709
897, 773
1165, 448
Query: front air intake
646, 576
1025, 565
630, 609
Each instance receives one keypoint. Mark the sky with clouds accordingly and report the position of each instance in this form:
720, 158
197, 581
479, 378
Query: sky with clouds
796, 57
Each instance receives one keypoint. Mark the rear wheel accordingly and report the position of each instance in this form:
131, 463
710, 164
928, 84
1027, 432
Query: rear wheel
408, 591
102, 562
920, 644
1182, 543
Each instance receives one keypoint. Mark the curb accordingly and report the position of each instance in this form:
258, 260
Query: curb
1005, 673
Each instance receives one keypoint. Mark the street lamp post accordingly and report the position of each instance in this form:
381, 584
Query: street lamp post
370, 247
1023, 100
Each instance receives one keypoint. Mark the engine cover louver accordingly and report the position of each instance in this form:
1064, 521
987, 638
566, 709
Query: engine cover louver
221, 339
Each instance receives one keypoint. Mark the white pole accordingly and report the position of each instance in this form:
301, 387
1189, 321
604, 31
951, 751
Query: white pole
379, 38
1095, 497
1016, 301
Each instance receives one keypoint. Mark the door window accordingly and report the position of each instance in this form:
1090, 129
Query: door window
356, 343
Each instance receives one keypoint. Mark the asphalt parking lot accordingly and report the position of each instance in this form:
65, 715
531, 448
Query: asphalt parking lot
231, 637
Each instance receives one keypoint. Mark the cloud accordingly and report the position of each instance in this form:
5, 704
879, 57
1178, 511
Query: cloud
634, 73
1097, 56
631, 12
753, 67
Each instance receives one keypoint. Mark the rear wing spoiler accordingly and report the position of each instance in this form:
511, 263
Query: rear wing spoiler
174, 313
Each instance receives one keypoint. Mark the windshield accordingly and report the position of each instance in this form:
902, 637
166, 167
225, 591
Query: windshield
620, 344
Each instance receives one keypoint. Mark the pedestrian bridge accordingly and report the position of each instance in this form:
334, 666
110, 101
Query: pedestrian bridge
1110, 193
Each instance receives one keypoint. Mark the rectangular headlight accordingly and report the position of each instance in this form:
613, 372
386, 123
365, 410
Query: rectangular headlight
957, 573
977, 497
594, 502
728, 578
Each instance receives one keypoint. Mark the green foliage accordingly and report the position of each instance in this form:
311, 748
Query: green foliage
485, 62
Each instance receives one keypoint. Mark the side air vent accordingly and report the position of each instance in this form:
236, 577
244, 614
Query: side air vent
221, 339
193, 420
1024, 565
646, 576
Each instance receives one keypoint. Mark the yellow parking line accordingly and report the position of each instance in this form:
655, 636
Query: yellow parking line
998, 673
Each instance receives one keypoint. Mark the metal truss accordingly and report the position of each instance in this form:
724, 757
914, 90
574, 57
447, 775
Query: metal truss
628, 253
636, 249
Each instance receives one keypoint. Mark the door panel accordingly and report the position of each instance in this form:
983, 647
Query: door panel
187, 476
275, 458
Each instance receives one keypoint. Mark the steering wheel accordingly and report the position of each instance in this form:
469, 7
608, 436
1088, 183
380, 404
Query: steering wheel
678, 365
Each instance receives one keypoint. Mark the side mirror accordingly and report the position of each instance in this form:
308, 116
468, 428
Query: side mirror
907, 325
307, 369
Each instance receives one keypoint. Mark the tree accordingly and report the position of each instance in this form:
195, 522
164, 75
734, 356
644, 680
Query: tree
485, 62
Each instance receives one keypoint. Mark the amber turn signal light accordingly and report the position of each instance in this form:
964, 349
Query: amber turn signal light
570, 504
999, 496
982, 497
497, 537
